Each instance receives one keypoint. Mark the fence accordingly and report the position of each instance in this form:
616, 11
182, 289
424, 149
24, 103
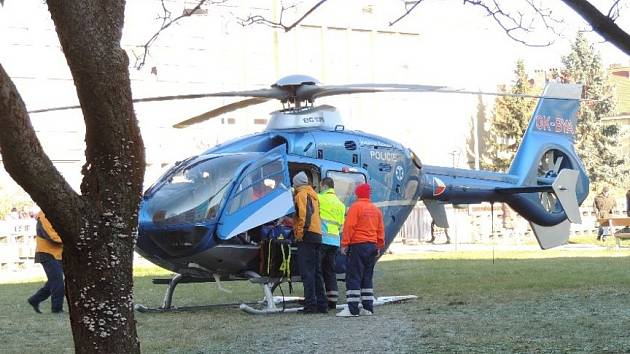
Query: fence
17, 243
481, 223
468, 224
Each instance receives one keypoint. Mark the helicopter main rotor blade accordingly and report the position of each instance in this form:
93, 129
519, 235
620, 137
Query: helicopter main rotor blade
54, 109
271, 93
312, 92
219, 111
262, 93
298, 89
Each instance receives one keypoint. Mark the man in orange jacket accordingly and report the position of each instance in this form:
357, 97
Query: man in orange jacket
362, 241
48, 252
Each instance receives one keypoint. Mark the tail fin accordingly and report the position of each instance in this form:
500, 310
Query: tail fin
546, 149
552, 127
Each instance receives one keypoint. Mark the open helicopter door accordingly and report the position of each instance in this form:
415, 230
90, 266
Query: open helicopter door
262, 193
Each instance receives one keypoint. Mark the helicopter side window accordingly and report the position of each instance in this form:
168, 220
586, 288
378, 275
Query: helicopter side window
257, 184
194, 192
345, 184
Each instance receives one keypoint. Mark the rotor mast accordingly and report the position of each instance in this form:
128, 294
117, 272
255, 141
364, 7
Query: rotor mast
291, 85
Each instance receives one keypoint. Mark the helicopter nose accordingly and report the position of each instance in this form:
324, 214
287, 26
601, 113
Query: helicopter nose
169, 239
182, 241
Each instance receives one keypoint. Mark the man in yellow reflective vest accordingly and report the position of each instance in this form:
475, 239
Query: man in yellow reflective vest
332, 213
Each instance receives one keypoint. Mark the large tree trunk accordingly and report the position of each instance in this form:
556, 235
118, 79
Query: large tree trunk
98, 269
100, 300
99, 226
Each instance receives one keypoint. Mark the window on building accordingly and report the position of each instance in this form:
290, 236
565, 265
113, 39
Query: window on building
260, 121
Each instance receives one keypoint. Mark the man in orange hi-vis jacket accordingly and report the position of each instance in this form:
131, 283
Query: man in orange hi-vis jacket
362, 241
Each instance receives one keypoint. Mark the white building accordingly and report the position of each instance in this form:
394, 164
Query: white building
346, 42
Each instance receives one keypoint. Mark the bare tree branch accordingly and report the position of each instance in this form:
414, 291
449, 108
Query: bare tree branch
517, 24
406, 13
29, 165
258, 19
261, 20
511, 24
546, 17
167, 21
604, 25
613, 12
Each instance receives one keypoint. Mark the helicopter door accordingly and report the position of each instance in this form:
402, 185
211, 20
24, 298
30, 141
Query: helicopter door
262, 193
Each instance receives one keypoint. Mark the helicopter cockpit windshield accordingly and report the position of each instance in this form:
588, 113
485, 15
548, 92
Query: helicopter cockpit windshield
192, 192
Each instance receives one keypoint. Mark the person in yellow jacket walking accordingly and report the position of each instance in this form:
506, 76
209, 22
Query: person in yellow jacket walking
332, 213
48, 252
308, 233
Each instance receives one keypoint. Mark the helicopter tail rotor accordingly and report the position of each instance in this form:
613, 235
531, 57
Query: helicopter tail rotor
546, 161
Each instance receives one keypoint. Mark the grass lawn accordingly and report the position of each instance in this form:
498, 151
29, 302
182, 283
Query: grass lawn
592, 239
557, 301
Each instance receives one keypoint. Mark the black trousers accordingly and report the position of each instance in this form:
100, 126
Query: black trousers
311, 273
359, 286
53, 287
329, 254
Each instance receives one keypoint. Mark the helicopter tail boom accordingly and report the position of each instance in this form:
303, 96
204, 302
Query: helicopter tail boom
546, 181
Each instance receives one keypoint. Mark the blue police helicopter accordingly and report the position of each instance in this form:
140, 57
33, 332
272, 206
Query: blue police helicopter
206, 217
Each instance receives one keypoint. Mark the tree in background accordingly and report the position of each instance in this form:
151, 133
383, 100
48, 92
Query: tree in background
476, 140
596, 141
509, 121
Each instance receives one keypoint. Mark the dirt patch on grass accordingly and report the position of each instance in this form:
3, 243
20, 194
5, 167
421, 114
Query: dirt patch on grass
574, 322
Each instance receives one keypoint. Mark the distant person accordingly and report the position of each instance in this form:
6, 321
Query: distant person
23, 214
507, 220
308, 233
13, 215
434, 232
48, 253
363, 239
628, 203
604, 204
332, 213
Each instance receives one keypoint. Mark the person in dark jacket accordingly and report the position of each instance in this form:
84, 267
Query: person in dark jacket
48, 252
604, 205
308, 234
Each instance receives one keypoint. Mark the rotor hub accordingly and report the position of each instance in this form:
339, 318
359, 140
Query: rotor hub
296, 81
291, 85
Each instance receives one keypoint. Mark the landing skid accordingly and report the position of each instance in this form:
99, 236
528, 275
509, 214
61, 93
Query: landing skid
270, 304
170, 290
269, 284
278, 299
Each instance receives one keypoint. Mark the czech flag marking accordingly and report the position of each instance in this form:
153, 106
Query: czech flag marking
438, 187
